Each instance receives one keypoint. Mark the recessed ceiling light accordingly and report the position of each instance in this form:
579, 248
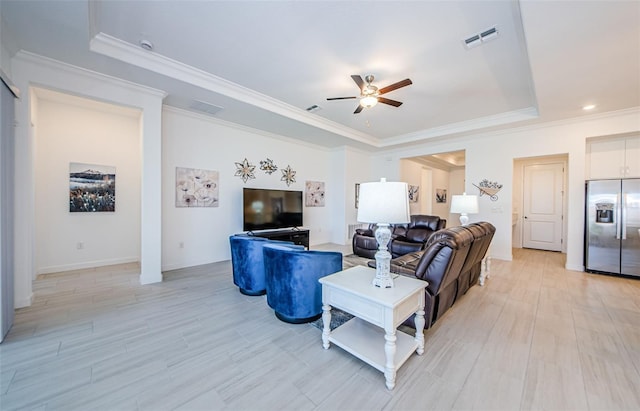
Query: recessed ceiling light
589, 107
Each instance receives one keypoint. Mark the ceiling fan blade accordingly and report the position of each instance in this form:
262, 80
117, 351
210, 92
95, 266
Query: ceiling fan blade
358, 109
395, 86
389, 102
358, 81
340, 98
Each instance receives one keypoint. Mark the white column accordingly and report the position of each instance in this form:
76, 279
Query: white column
151, 201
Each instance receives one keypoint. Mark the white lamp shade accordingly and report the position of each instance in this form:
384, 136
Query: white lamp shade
384, 202
368, 102
464, 204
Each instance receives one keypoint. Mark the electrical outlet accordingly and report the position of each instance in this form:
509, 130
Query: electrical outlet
181, 244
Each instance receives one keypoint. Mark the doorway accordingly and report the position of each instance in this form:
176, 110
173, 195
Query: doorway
540, 203
438, 176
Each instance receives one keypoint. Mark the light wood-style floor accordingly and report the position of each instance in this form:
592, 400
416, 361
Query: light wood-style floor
535, 337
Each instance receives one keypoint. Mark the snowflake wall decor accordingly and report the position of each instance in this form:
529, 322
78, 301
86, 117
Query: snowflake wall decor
288, 175
245, 170
267, 166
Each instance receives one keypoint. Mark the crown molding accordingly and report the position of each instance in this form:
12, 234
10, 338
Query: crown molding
461, 139
465, 126
240, 127
121, 50
38, 60
564, 122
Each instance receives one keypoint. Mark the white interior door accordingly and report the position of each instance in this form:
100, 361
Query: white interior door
542, 206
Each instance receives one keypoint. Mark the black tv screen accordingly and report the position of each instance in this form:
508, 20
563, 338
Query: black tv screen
268, 209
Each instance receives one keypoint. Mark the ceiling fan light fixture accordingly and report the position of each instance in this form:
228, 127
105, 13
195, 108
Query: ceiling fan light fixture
368, 101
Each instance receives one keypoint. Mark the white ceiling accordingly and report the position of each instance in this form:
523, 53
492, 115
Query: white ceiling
263, 63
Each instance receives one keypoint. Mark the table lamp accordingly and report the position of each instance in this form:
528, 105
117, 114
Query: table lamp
464, 204
383, 203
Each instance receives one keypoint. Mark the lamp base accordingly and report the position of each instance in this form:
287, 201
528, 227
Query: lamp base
464, 219
383, 282
383, 277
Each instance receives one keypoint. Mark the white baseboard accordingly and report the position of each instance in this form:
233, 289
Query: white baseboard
573, 267
85, 265
503, 257
187, 264
25, 302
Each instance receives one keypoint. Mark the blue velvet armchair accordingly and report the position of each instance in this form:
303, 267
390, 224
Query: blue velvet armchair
292, 284
248, 262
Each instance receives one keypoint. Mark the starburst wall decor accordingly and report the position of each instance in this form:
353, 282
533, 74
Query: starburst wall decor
288, 175
268, 166
245, 170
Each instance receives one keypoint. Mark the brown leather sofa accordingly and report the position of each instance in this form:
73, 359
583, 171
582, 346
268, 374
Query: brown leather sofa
451, 263
405, 238
364, 242
418, 232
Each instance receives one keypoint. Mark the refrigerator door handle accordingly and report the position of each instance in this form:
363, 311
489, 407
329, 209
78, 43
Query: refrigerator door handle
624, 216
617, 217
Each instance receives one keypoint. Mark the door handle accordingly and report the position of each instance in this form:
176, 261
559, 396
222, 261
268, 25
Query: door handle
525, 217
623, 210
617, 214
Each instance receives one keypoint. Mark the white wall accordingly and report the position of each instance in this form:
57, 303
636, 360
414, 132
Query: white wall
5, 46
71, 129
426, 186
194, 141
440, 180
349, 166
456, 186
491, 155
411, 173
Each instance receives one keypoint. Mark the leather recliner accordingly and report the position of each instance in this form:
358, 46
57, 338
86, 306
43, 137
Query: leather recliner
405, 238
364, 243
420, 229
482, 235
448, 263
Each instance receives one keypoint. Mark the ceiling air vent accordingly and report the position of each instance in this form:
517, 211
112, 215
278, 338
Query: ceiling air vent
477, 39
205, 107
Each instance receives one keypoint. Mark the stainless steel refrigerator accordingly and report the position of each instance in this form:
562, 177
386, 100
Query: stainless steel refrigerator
612, 232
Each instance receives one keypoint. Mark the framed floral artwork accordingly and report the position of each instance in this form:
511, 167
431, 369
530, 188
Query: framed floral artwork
314, 194
196, 187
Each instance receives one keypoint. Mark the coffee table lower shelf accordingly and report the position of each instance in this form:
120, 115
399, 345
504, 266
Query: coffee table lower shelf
366, 342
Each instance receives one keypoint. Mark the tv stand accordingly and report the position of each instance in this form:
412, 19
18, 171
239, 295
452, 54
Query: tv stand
295, 235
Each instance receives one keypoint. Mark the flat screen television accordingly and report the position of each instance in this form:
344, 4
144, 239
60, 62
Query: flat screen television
265, 209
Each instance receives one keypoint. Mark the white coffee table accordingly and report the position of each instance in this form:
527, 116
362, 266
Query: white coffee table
378, 313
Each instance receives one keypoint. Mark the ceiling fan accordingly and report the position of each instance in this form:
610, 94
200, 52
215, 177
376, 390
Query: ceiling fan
370, 94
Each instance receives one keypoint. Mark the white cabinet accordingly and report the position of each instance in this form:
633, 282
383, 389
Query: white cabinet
617, 157
632, 157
